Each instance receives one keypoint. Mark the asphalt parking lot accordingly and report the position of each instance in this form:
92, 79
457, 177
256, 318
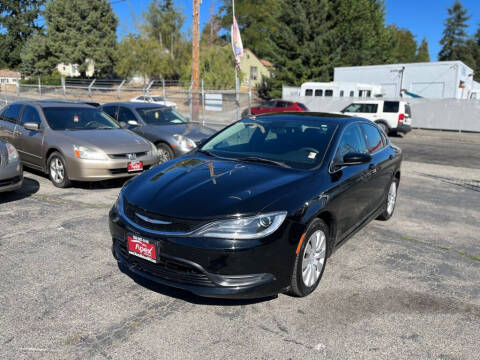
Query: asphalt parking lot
402, 289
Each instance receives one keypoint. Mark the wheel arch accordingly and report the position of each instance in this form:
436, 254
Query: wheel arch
49, 152
330, 220
383, 121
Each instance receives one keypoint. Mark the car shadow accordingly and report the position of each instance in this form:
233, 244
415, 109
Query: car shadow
29, 187
187, 296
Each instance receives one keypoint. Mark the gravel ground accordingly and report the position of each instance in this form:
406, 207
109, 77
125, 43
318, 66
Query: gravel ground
402, 289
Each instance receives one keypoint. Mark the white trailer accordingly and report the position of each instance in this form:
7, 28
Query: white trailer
433, 80
340, 89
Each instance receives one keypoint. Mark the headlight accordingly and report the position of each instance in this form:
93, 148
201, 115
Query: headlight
82, 152
12, 153
253, 227
184, 142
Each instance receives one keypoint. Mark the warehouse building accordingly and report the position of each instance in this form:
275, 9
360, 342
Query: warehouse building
433, 80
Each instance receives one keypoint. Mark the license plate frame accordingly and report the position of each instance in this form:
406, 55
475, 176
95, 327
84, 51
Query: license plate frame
143, 248
135, 166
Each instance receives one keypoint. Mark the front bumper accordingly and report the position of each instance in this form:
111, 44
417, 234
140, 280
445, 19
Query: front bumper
11, 177
98, 170
212, 267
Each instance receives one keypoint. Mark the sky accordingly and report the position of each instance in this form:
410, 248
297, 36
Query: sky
421, 17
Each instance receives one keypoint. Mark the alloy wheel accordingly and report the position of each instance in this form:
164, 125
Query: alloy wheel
314, 258
392, 198
57, 171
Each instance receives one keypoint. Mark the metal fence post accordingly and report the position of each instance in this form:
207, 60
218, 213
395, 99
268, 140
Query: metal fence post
64, 88
249, 97
147, 90
90, 88
39, 86
119, 90
163, 89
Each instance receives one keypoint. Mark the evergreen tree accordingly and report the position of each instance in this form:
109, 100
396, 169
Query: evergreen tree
454, 35
18, 22
423, 55
405, 46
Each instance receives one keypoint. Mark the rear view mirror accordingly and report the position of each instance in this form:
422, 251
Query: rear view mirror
355, 159
31, 126
133, 122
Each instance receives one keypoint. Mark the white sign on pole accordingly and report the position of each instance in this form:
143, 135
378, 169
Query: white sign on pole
213, 102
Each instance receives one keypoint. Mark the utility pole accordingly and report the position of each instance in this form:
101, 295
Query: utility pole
195, 58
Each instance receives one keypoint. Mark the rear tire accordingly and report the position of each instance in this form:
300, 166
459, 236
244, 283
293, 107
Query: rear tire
165, 153
311, 260
390, 201
57, 171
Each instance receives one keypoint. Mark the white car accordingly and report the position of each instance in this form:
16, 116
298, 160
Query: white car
392, 116
154, 99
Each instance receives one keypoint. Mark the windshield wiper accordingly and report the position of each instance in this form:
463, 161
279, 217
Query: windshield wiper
265, 161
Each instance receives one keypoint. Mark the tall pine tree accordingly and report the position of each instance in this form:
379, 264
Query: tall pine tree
18, 22
423, 55
454, 36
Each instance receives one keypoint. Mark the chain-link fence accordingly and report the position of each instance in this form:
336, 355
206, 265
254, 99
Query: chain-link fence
215, 108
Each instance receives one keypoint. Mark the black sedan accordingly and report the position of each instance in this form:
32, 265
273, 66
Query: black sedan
259, 208
172, 133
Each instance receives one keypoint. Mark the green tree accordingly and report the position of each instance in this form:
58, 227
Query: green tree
18, 22
35, 55
75, 31
257, 21
216, 68
405, 46
423, 55
454, 38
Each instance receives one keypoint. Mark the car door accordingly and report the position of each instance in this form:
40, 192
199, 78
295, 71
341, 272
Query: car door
9, 123
349, 183
380, 168
30, 142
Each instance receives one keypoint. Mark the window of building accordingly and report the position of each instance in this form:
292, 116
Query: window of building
318, 92
329, 93
308, 92
253, 73
341, 93
352, 93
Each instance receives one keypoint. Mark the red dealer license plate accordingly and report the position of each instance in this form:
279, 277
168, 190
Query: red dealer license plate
142, 248
135, 166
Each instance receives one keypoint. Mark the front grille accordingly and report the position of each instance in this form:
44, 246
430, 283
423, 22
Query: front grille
125, 156
166, 268
10, 181
125, 170
176, 225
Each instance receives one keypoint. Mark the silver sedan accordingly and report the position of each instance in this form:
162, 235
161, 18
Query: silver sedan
11, 172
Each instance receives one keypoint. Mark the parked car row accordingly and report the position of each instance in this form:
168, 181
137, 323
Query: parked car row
11, 173
73, 141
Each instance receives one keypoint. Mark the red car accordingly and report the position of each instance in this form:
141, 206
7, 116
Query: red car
276, 106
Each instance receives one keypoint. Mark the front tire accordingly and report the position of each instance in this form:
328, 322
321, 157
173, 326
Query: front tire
311, 260
57, 171
390, 201
165, 153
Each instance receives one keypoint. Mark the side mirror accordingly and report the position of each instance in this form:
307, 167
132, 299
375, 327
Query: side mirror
31, 126
355, 159
133, 122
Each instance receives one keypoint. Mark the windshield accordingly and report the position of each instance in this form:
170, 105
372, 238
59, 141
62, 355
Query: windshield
160, 116
296, 143
81, 118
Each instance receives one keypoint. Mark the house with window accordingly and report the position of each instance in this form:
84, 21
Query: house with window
254, 68
72, 70
9, 77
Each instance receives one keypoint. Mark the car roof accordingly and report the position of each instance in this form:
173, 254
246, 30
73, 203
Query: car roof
312, 116
50, 103
135, 104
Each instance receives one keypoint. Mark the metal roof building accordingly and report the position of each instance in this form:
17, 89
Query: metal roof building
433, 80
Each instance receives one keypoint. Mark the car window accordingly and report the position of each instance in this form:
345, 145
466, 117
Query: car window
303, 107
352, 141
111, 111
353, 108
373, 137
361, 108
408, 111
158, 98
370, 108
81, 118
125, 115
318, 92
141, 98
391, 106
308, 92
160, 116
12, 112
298, 143
30, 115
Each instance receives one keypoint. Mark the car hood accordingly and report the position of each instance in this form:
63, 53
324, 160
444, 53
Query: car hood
199, 187
193, 131
115, 141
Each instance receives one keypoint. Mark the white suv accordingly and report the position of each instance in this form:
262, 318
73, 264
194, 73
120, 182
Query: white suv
392, 116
